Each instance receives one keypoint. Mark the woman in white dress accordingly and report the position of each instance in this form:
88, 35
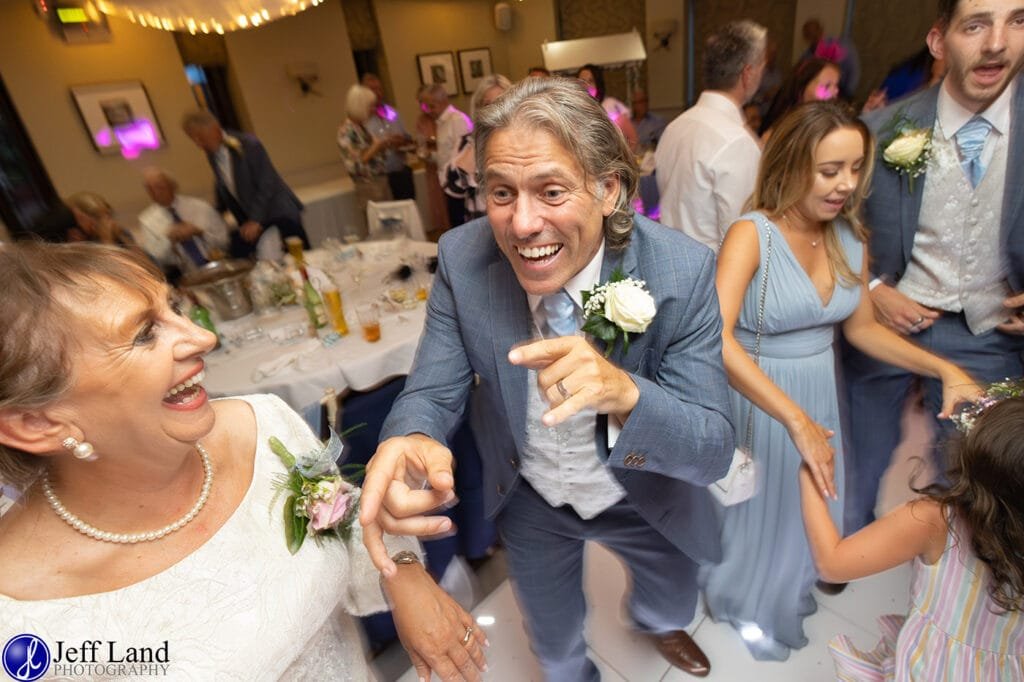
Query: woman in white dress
149, 538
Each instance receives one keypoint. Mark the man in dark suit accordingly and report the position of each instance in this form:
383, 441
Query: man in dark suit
947, 249
575, 446
247, 185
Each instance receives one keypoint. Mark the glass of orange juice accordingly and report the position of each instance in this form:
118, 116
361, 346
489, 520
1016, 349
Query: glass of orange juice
369, 320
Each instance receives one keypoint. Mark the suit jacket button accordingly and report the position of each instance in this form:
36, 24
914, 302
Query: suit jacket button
501, 489
641, 460
514, 462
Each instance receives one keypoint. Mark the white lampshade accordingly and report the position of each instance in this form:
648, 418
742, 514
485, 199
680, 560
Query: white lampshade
203, 16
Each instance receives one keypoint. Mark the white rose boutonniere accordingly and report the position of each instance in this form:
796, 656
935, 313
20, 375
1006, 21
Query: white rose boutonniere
620, 306
906, 147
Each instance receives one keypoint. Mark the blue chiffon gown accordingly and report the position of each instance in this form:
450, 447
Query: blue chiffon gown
766, 573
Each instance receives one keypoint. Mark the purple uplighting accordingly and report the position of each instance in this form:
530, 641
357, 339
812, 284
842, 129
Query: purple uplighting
133, 137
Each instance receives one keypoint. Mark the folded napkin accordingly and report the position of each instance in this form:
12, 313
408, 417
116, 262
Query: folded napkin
272, 367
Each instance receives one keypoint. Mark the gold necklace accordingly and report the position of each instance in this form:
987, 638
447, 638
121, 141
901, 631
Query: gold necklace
813, 242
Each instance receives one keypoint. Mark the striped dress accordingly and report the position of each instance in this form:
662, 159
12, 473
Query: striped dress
954, 630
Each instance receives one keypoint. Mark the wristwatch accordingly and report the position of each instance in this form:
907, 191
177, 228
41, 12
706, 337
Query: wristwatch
406, 557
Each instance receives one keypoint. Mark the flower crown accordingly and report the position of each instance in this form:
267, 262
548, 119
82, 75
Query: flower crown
996, 393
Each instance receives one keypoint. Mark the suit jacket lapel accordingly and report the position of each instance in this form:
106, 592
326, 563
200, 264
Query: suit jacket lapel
625, 260
923, 112
511, 323
1013, 198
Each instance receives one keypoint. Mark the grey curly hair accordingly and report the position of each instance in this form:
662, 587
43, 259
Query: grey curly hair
564, 109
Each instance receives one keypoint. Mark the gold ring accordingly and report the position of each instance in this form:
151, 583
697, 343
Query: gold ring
918, 321
469, 635
562, 390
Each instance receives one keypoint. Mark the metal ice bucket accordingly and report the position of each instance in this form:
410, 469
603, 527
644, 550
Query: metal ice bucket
222, 286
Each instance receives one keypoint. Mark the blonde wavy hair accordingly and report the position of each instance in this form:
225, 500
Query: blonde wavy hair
787, 171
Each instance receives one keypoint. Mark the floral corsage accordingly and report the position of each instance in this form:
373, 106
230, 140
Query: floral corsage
620, 306
1001, 390
907, 147
321, 501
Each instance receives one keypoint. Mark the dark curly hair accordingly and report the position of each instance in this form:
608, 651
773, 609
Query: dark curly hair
986, 492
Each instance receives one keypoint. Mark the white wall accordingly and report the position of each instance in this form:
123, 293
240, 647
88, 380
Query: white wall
666, 69
298, 131
39, 69
412, 27
831, 13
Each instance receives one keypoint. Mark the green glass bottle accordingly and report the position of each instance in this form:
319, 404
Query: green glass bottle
200, 315
313, 303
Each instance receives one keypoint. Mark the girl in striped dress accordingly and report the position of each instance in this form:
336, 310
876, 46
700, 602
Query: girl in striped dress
966, 540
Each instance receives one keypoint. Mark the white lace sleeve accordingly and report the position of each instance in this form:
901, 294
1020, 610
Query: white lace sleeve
364, 594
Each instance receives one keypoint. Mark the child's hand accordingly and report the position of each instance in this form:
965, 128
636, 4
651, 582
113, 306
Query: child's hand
957, 387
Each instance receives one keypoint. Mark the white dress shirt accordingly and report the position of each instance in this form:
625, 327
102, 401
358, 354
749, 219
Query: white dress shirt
155, 223
227, 173
452, 126
706, 166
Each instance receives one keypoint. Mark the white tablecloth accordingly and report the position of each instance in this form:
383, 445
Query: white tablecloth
331, 211
299, 370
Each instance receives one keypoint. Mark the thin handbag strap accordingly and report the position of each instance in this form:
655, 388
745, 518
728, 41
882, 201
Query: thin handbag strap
749, 439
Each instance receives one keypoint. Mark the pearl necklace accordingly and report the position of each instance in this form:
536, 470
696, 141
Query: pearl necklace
132, 538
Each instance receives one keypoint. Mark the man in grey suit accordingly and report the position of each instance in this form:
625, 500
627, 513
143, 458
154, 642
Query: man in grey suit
249, 187
947, 251
575, 446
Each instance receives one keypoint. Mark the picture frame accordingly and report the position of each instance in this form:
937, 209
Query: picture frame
118, 117
439, 67
474, 65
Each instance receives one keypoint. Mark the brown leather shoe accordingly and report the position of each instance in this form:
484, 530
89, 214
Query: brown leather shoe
680, 650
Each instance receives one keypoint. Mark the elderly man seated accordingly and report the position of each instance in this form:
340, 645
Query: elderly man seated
176, 230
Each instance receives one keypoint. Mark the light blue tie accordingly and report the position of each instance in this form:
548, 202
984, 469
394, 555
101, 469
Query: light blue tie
971, 141
560, 312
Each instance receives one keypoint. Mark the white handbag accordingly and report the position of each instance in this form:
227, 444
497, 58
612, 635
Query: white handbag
740, 483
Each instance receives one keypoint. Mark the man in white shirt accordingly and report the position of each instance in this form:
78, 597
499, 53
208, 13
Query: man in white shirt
707, 158
179, 231
452, 126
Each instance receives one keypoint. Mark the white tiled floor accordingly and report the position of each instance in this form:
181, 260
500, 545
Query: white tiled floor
622, 655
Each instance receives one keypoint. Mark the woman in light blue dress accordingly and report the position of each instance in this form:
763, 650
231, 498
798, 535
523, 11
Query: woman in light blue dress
813, 176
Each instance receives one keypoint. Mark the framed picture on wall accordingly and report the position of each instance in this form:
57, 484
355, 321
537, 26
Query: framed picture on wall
438, 67
475, 65
118, 117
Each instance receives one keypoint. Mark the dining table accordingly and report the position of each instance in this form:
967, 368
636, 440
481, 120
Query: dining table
273, 352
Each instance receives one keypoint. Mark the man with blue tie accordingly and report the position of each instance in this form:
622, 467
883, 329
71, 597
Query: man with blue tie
947, 249
575, 446
178, 231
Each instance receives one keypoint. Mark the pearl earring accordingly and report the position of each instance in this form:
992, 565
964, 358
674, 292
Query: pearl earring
81, 450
